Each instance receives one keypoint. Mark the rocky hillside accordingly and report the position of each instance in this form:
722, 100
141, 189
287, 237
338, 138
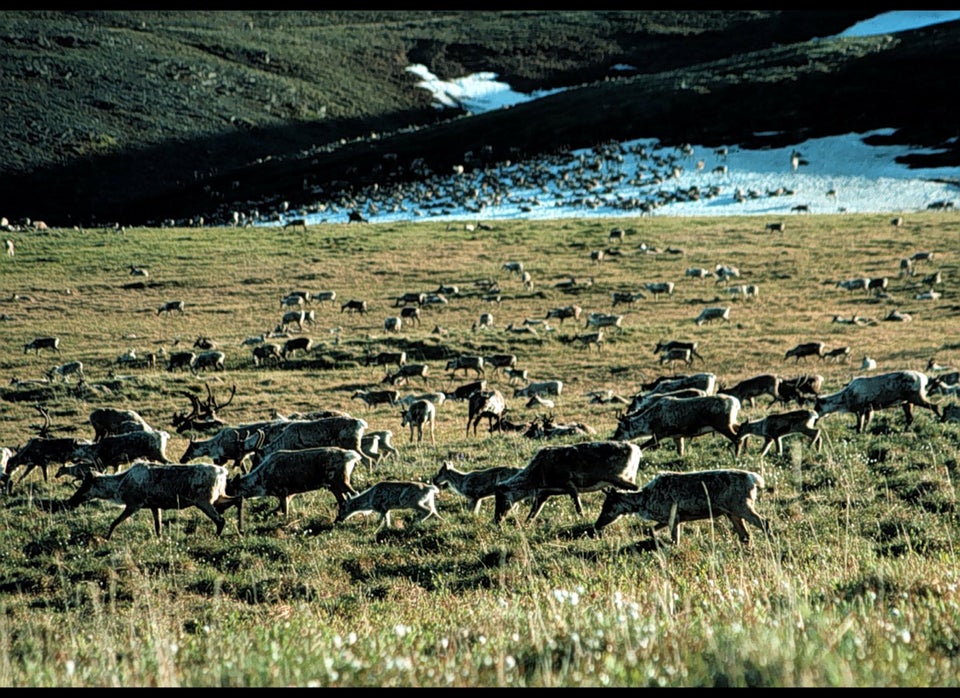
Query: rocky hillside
140, 117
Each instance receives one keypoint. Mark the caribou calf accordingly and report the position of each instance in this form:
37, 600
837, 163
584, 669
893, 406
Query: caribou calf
388, 496
476, 485
64, 371
711, 314
774, 427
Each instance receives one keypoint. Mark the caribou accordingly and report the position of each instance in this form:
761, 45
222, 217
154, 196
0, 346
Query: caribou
680, 418
865, 394
671, 498
571, 470
157, 487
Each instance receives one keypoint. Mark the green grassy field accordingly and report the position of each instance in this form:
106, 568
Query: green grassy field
858, 587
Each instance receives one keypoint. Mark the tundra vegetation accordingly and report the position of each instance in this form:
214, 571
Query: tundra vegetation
858, 585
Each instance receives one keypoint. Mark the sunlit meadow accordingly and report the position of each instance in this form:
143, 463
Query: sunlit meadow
857, 587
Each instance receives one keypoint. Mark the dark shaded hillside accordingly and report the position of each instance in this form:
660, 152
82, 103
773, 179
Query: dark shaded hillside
149, 116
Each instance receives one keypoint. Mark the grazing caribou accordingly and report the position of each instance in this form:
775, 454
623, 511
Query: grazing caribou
664, 347
466, 363
51, 343
774, 427
171, 307
266, 353
406, 372
295, 344
64, 371
485, 403
680, 418
626, 297
802, 351
749, 389
354, 306
865, 394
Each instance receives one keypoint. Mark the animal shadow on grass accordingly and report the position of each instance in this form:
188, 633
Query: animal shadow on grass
647, 545
577, 531
51, 506
318, 526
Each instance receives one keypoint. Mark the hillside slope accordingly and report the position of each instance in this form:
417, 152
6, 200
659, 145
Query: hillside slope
139, 117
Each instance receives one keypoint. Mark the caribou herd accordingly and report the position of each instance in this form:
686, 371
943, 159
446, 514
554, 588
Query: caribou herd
285, 456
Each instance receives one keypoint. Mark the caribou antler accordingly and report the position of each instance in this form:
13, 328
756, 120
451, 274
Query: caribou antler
43, 431
184, 422
202, 416
213, 406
